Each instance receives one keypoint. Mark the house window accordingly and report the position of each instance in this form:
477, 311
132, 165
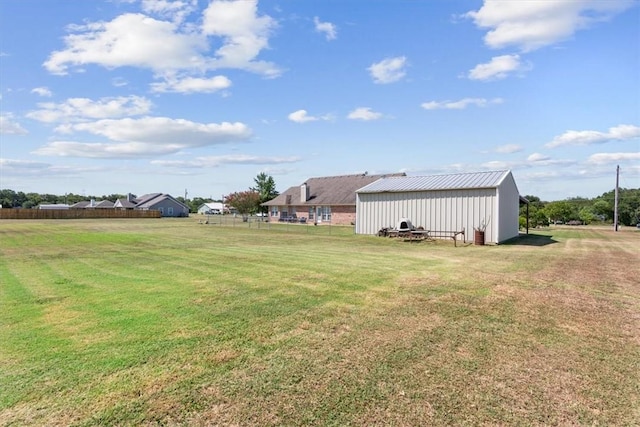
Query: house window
161, 211
324, 213
312, 213
274, 211
170, 211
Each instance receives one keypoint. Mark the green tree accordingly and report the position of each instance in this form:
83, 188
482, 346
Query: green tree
558, 211
245, 202
114, 197
603, 208
587, 216
8, 198
537, 216
266, 189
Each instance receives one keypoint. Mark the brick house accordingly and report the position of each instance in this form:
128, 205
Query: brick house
324, 200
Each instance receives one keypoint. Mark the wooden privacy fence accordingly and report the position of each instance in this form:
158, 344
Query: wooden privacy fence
75, 213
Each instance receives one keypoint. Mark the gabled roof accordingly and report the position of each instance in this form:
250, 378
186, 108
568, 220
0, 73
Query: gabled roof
105, 204
149, 200
457, 181
212, 205
80, 205
85, 204
327, 191
124, 203
146, 198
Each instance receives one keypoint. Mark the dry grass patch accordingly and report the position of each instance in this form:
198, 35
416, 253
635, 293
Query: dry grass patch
171, 323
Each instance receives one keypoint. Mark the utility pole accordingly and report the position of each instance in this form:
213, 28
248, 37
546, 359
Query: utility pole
615, 202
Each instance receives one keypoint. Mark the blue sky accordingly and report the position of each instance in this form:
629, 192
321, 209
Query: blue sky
141, 96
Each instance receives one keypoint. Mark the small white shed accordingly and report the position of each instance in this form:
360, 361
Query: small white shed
211, 207
453, 202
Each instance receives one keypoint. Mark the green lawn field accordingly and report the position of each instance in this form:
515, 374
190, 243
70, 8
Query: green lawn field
174, 322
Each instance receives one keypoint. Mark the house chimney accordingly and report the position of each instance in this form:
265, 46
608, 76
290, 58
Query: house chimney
129, 197
92, 203
304, 190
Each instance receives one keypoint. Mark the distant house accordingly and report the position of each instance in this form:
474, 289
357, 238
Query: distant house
330, 199
215, 208
56, 206
92, 204
165, 203
125, 203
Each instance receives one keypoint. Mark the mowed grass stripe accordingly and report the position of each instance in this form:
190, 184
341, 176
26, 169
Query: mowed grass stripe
171, 322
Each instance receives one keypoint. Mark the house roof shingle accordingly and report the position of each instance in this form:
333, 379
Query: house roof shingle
150, 200
327, 191
86, 204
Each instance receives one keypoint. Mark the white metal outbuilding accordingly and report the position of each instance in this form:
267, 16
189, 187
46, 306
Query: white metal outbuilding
469, 201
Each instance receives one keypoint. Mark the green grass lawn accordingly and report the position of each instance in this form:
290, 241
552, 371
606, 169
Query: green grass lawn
171, 322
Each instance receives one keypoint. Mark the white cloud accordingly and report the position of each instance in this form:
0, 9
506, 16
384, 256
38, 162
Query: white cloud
245, 34
461, 104
8, 125
148, 136
388, 70
509, 148
532, 161
499, 165
330, 31
75, 109
92, 150
537, 157
42, 91
164, 130
165, 46
589, 137
175, 10
301, 116
16, 165
609, 158
119, 82
530, 25
216, 161
364, 113
129, 40
21, 169
192, 85
498, 68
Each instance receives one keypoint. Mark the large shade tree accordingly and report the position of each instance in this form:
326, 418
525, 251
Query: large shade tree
244, 202
266, 189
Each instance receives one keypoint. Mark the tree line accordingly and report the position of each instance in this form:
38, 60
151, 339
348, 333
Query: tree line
579, 210
244, 202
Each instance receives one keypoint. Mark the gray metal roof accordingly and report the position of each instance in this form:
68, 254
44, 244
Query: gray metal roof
457, 181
